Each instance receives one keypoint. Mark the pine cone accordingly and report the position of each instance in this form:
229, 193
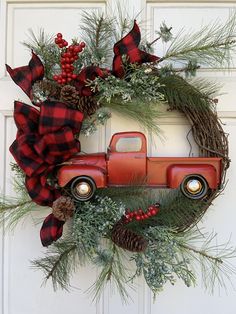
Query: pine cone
127, 239
70, 96
63, 208
50, 88
88, 105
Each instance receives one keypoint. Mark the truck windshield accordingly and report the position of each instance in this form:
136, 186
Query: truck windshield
129, 144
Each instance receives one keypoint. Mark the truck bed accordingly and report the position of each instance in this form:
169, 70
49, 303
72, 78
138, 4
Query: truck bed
157, 167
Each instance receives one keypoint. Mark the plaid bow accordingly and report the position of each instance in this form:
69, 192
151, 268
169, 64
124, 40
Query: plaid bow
128, 46
27, 75
51, 230
44, 139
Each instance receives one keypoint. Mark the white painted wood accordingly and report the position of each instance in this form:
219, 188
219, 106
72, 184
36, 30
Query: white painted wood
20, 288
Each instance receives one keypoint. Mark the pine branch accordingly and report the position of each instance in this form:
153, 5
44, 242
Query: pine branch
212, 45
202, 253
113, 272
98, 33
59, 260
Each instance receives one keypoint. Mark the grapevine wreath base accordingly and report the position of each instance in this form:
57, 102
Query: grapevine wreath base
75, 92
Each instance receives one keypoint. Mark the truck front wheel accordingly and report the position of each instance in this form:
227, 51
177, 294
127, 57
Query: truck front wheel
194, 187
83, 188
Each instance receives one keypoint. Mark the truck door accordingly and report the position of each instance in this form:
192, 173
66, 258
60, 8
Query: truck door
126, 159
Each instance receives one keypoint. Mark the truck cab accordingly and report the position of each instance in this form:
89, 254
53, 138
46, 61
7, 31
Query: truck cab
126, 159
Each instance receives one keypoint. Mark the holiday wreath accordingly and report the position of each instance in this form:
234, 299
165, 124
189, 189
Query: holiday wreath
72, 91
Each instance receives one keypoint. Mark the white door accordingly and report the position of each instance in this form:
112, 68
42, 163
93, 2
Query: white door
20, 286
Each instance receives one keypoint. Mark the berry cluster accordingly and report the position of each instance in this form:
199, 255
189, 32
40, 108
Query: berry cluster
140, 215
68, 57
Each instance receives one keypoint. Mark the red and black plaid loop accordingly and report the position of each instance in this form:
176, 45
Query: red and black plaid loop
55, 115
51, 230
40, 146
27, 75
128, 46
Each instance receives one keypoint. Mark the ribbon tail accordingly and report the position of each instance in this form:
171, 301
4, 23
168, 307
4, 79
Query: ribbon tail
26, 76
51, 230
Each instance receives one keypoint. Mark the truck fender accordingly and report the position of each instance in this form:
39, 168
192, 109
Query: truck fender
68, 172
177, 173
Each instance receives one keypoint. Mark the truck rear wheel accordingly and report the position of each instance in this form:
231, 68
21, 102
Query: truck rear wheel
194, 187
83, 188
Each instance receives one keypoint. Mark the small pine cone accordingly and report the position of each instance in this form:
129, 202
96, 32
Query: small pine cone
88, 105
70, 96
63, 208
127, 239
50, 88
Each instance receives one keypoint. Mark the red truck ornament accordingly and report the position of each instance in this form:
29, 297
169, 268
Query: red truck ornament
126, 162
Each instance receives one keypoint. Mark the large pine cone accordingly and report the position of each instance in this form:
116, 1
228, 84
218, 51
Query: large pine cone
127, 239
63, 208
70, 96
88, 105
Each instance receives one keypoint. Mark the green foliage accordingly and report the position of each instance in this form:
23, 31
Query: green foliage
113, 271
98, 32
162, 261
138, 85
212, 45
14, 209
59, 263
43, 45
136, 96
90, 124
181, 93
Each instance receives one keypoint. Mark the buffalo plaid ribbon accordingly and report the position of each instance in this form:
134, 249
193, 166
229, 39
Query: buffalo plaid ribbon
44, 139
128, 46
27, 75
51, 230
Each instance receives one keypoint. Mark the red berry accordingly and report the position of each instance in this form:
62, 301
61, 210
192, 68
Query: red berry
145, 216
74, 76
60, 45
57, 41
131, 214
153, 212
69, 74
71, 48
59, 35
138, 217
78, 49
55, 77
64, 74
82, 44
63, 81
59, 81
65, 43
72, 60
76, 57
67, 66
